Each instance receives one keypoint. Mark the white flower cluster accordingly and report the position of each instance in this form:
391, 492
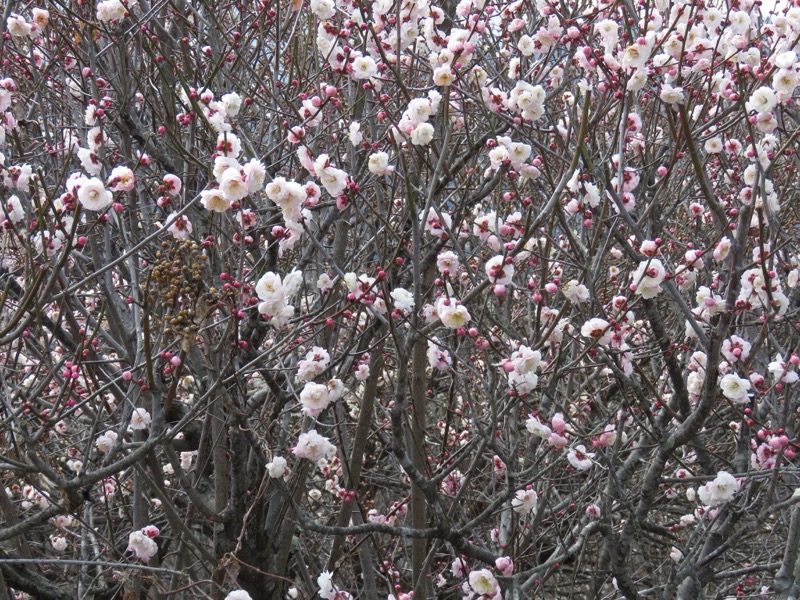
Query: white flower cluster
114, 10
292, 198
438, 357
414, 120
316, 361
141, 542
106, 441
525, 501
527, 100
18, 27
521, 369
275, 294
234, 181
754, 294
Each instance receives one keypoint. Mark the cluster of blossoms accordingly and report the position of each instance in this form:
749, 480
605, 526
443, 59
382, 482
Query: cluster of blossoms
482, 583
525, 501
234, 180
293, 199
414, 123
142, 544
14, 177
557, 435
521, 368
315, 363
507, 153
105, 442
18, 26
438, 357
109, 11
452, 313
275, 293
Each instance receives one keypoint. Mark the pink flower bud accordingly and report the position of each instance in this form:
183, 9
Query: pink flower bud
505, 565
558, 423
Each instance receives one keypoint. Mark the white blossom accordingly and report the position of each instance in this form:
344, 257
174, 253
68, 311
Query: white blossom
93, 195
484, 583
525, 501
452, 313
598, 329
403, 299
277, 468
579, 458
719, 491
313, 446
140, 419
735, 388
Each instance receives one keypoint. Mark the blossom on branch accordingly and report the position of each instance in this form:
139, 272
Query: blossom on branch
719, 491
313, 446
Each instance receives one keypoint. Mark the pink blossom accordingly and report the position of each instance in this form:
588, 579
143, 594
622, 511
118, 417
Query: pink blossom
593, 510
121, 179
505, 565
172, 184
